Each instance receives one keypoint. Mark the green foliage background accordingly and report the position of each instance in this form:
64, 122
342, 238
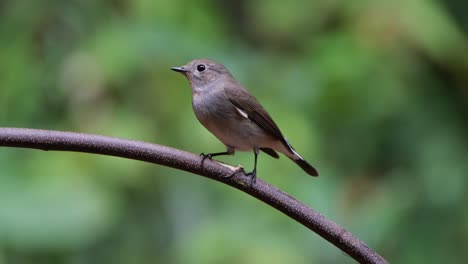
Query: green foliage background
373, 93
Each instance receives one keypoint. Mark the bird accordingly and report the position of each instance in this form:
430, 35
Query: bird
234, 116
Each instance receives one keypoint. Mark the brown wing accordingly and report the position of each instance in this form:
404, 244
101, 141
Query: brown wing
243, 100
270, 152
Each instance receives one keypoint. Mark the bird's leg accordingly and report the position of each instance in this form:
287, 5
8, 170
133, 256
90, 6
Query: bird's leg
229, 151
253, 174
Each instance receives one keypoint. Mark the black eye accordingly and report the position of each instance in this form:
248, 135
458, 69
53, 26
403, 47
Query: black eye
201, 67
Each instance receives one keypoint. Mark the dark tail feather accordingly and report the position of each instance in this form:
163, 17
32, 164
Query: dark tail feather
299, 160
306, 167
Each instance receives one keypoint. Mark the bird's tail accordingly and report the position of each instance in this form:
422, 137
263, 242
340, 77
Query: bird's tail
294, 156
305, 166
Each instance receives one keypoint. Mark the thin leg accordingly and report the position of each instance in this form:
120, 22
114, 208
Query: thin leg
253, 174
229, 151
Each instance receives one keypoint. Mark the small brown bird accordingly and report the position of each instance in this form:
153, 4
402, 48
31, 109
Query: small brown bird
234, 116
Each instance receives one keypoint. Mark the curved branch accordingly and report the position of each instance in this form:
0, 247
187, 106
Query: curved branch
78, 142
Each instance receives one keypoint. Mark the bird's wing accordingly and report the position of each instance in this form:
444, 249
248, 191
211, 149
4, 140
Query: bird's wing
270, 152
254, 111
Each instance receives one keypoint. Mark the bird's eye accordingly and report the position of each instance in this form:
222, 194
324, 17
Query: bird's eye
201, 67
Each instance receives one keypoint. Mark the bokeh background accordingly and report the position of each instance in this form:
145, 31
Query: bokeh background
373, 93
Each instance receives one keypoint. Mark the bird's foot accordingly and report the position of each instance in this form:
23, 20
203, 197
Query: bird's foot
253, 177
204, 156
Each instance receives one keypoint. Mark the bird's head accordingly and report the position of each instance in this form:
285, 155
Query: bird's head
202, 73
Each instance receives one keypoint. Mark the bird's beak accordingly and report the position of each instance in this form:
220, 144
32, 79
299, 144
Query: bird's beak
181, 69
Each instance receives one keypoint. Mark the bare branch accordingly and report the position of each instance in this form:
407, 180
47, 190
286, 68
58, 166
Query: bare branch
78, 142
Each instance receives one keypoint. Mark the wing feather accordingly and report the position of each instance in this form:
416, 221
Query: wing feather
244, 101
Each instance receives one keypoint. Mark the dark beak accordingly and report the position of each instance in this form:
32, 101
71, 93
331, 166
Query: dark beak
179, 69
